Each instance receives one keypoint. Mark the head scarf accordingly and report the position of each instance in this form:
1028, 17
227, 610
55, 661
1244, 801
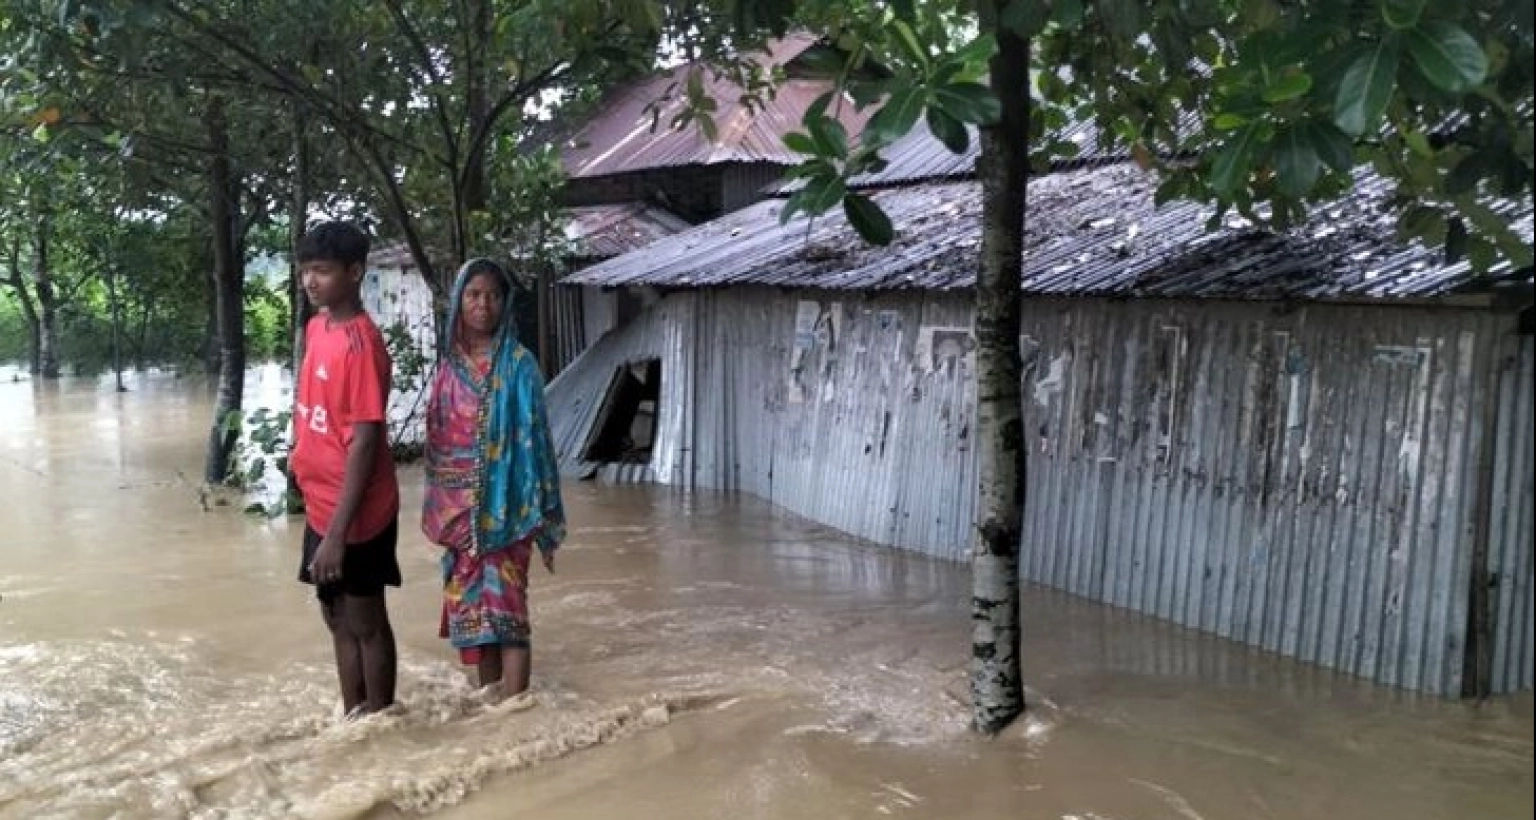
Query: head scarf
517, 493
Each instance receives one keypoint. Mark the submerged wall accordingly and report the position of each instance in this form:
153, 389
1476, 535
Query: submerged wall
1329, 482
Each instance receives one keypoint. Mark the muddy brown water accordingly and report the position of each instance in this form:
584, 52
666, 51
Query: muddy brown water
696, 656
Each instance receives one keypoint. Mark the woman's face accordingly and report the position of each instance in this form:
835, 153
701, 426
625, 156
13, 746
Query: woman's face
481, 304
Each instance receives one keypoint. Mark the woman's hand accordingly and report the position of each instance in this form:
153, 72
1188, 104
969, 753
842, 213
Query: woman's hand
549, 560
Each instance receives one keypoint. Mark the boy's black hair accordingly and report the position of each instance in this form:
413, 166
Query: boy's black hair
334, 242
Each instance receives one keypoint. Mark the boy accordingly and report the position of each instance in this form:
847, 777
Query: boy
341, 462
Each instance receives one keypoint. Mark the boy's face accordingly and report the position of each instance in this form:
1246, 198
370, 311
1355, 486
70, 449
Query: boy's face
328, 282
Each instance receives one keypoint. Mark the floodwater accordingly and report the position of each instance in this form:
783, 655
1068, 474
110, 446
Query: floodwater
696, 656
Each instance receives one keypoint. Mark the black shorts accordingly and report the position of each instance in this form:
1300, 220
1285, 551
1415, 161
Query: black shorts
365, 570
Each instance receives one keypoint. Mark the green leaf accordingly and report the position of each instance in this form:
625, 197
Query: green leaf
978, 51
1230, 170
1367, 87
818, 107
1455, 241
907, 38
1417, 142
896, 117
820, 63
823, 193
707, 125
1122, 17
1402, 14
1288, 87
968, 102
1172, 188
949, 130
1296, 163
1463, 178
1067, 14
811, 168
905, 9
868, 219
1332, 146
1025, 18
1481, 254
830, 137
1419, 222
800, 143
1230, 121
1447, 56
868, 93
792, 206
1516, 251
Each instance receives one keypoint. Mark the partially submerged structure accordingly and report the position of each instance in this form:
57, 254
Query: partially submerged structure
1316, 442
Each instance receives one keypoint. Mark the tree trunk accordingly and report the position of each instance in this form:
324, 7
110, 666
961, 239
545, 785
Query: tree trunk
142, 353
211, 328
47, 300
28, 308
997, 688
117, 328
472, 193
298, 215
229, 280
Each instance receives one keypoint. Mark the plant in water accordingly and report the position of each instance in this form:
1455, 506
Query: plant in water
263, 446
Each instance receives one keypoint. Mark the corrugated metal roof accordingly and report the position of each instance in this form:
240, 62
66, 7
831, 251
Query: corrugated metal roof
920, 157
620, 139
606, 231
1092, 231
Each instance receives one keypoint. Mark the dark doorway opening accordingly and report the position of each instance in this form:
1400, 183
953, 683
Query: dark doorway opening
625, 428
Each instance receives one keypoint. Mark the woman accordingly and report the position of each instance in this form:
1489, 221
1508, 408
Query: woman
493, 490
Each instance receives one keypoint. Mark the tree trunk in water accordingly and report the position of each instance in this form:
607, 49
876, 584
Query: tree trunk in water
997, 688
47, 301
229, 280
142, 354
298, 215
28, 309
211, 329
117, 328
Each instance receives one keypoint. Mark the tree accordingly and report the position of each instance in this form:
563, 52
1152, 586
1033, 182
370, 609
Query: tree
166, 117
417, 92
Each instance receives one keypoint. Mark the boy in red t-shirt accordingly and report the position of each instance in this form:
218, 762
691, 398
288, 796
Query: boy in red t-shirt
341, 463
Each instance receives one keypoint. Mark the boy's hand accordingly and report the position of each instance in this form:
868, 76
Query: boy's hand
549, 560
326, 566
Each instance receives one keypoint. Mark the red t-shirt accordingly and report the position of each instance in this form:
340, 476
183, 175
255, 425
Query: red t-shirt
344, 381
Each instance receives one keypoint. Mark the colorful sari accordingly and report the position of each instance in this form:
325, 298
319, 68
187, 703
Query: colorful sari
493, 487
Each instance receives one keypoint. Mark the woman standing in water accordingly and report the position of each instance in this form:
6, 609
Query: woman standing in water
493, 490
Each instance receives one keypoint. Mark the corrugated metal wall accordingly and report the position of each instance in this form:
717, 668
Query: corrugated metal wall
1306, 482
1303, 482
399, 296
835, 424
1512, 614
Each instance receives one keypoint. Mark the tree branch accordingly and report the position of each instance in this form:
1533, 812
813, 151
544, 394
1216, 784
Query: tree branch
339, 114
439, 105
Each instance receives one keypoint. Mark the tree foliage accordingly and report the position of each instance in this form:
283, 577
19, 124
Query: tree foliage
1254, 105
